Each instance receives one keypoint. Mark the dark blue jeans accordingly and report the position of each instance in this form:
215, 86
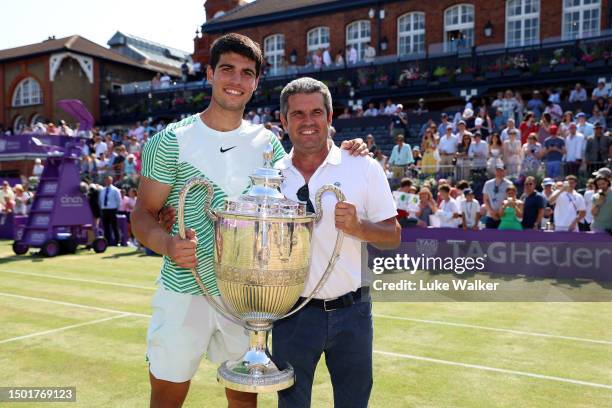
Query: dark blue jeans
344, 335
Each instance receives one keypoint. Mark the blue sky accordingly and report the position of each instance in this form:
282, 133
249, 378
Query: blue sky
167, 22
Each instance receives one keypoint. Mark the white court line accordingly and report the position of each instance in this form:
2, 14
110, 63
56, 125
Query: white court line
44, 275
387, 353
497, 329
57, 302
59, 329
497, 370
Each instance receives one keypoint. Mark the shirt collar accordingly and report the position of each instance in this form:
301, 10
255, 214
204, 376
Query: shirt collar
334, 157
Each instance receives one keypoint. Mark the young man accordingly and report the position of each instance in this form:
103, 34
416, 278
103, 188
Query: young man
448, 211
470, 210
218, 145
533, 205
338, 321
569, 205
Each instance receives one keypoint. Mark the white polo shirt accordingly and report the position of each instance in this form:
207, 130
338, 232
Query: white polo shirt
566, 210
364, 184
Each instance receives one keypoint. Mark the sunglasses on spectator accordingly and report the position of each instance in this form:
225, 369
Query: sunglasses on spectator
304, 196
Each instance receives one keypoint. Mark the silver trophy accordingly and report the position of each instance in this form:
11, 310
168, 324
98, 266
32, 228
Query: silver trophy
262, 261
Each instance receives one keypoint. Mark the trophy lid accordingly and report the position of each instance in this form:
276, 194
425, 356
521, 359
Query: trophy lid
264, 197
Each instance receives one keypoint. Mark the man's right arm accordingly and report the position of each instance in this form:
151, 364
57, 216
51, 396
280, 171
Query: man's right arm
147, 229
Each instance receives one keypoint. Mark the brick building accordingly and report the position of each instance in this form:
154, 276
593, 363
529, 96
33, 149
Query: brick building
289, 30
34, 77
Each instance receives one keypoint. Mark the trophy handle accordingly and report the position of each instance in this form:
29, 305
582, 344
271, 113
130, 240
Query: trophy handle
335, 254
181, 225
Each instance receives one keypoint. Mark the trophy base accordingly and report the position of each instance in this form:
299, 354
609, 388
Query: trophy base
255, 371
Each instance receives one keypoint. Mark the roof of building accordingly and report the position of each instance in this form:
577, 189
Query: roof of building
263, 11
77, 44
149, 51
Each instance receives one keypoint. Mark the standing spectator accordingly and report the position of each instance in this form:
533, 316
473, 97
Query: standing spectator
399, 122
478, 152
21, 200
536, 105
510, 211
401, 156
339, 61
371, 142
462, 160
597, 149
554, 110
569, 205
327, 59
494, 194
590, 191
156, 81
129, 168
420, 108
351, 55
528, 126
197, 71
448, 211
583, 127
575, 145
602, 202
184, 71
165, 81
369, 53
531, 152
568, 119
382, 160
444, 124
495, 153
554, 149
533, 205
578, 94
498, 120
510, 125
38, 168
544, 127
447, 146
509, 105
429, 164
7, 197
554, 95
470, 210
390, 108
597, 118
109, 200
600, 91
317, 59
512, 153
100, 146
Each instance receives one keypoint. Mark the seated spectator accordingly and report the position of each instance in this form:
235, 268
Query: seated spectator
512, 153
420, 108
536, 105
600, 91
570, 208
406, 202
7, 197
21, 200
583, 127
510, 124
38, 168
399, 122
602, 202
470, 210
578, 94
390, 108
346, 113
511, 211
371, 142
427, 207
597, 149
554, 110
382, 160
533, 205
554, 149
597, 119
371, 111
554, 95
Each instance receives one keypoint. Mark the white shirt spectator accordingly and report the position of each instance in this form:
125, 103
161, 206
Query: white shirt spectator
38, 168
587, 129
165, 81
599, 92
578, 95
566, 210
478, 152
371, 112
470, 209
352, 56
588, 204
445, 213
101, 148
327, 59
504, 134
390, 109
369, 54
448, 144
555, 97
575, 146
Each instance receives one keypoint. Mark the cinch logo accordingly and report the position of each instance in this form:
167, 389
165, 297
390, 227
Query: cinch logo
71, 201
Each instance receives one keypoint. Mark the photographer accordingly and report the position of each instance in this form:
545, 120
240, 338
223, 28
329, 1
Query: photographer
569, 205
602, 201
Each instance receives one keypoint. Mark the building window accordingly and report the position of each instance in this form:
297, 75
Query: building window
19, 124
27, 93
522, 22
317, 38
358, 35
274, 52
411, 33
459, 28
37, 118
581, 18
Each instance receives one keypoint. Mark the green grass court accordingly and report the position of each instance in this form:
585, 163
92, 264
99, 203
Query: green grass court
81, 320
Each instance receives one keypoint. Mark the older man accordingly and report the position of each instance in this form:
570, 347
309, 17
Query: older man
338, 321
602, 201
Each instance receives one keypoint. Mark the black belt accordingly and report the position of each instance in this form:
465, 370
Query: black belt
346, 300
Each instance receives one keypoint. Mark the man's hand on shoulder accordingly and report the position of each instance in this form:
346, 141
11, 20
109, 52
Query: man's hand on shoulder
356, 147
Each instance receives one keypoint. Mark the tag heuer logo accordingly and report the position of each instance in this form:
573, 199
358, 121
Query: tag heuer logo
427, 247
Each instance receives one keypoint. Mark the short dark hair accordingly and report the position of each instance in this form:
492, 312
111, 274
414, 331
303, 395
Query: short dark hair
572, 178
444, 187
239, 44
406, 182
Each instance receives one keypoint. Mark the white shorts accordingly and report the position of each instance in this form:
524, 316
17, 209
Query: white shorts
183, 329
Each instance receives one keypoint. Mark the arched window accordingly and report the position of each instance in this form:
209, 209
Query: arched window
37, 118
358, 35
522, 22
274, 51
19, 124
317, 38
581, 18
27, 93
411, 33
459, 27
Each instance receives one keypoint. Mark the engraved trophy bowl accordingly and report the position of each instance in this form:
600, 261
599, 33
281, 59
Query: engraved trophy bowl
262, 261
